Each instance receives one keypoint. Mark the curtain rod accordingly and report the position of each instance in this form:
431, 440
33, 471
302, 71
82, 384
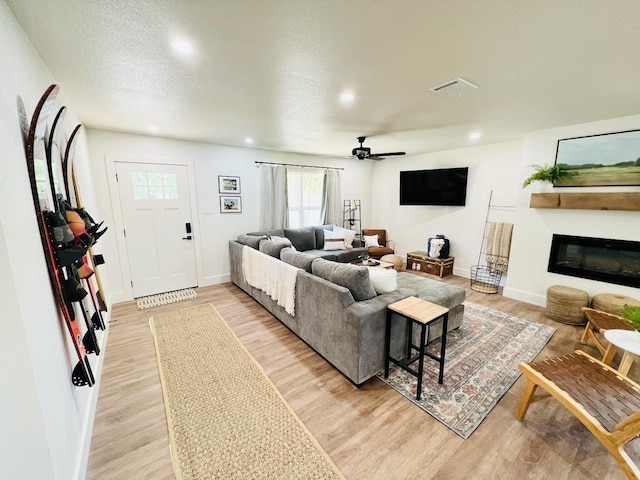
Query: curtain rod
297, 165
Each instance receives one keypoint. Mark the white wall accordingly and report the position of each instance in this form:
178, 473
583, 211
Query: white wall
528, 277
212, 230
491, 168
46, 421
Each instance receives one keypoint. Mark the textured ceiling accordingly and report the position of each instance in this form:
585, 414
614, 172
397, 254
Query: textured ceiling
273, 70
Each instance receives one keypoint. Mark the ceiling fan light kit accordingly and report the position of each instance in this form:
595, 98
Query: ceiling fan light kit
362, 152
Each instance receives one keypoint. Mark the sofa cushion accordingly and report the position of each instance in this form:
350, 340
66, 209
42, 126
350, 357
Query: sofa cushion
383, 280
251, 240
328, 255
303, 238
333, 241
356, 279
349, 255
301, 260
274, 245
268, 233
319, 231
432, 291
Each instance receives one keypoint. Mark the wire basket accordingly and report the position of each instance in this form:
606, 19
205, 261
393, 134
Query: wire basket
485, 279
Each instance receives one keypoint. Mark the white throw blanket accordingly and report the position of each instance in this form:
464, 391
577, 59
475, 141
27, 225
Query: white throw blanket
274, 277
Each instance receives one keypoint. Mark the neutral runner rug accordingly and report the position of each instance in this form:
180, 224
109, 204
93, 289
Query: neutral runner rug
226, 419
481, 364
166, 298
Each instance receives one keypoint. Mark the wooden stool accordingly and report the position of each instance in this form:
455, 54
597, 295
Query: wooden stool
607, 403
601, 322
612, 302
564, 304
395, 259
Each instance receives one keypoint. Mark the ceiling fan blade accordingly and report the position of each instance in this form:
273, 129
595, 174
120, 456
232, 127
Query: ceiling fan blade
389, 154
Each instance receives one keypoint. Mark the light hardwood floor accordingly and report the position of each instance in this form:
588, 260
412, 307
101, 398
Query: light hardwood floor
370, 433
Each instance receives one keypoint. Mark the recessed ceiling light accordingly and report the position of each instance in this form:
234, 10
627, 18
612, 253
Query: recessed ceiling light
183, 47
347, 97
475, 136
248, 140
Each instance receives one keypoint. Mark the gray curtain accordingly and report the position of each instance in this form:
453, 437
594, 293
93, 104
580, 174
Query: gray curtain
273, 197
331, 206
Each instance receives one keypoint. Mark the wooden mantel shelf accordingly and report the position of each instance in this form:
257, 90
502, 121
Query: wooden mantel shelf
629, 201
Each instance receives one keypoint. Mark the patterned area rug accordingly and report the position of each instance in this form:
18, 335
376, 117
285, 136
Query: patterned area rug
226, 419
481, 364
166, 298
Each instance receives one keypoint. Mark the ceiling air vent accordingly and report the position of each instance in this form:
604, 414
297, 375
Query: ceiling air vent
453, 88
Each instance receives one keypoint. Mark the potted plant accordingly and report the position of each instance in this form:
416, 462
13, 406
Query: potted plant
547, 174
632, 314
364, 257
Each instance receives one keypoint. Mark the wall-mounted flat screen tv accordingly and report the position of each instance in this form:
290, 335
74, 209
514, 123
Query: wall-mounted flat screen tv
441, 186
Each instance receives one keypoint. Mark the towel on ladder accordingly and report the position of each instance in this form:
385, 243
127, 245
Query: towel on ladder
274, 277
498, 245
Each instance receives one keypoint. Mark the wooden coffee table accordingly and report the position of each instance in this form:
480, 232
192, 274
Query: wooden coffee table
423, 313
379, 264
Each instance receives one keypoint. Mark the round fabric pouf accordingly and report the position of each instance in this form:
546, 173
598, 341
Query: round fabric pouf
564, 304
612, 302
395, 259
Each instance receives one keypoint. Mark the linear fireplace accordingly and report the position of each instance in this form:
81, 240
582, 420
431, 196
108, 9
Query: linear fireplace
607, 260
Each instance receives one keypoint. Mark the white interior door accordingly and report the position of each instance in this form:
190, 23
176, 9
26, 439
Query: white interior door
156, 212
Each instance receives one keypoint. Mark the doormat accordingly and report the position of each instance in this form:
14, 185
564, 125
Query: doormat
481, 364
166, 298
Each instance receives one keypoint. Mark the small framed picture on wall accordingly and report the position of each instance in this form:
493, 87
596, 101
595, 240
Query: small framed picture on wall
228, 185
230, 205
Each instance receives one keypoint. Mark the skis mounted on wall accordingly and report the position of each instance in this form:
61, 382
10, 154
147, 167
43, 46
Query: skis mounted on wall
52, 233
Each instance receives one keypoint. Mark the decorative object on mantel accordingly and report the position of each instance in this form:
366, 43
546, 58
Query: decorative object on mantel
546, 176
627, 201
609, 159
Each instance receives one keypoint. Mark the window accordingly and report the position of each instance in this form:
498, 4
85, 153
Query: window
155, 186
304, 192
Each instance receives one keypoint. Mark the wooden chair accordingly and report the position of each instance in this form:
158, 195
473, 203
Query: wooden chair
600, 322
607, 403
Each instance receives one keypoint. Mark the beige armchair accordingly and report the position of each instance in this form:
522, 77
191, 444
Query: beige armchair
385, 246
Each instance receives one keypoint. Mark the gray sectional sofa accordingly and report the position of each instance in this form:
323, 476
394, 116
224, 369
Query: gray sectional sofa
337, 311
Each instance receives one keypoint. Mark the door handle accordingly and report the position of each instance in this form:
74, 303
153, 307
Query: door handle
188, 237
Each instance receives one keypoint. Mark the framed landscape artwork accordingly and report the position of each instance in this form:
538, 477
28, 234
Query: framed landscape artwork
230, 205
228, 185
610, 159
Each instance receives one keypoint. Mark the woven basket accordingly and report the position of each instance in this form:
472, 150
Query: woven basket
564, 304
612, 302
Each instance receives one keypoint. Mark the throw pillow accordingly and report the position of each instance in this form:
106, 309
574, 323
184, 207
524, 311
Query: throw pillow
272, 246
349, 235
333, 241
356, 279
371, 241
383, 280
303, 238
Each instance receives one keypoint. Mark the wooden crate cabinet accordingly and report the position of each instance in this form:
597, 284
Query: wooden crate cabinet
421, 262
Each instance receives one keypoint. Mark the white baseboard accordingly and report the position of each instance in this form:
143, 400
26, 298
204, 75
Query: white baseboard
84, 449
523, 296
215, 280
461, 272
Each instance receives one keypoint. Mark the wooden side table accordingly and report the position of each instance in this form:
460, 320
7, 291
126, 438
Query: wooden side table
421, 261
423, 313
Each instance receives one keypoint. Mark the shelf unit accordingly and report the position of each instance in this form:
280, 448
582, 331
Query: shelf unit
628, 201
351, 216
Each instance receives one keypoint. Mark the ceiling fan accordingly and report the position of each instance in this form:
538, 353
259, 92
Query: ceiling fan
362, 152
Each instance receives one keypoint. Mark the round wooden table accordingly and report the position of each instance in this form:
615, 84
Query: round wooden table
627, 340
